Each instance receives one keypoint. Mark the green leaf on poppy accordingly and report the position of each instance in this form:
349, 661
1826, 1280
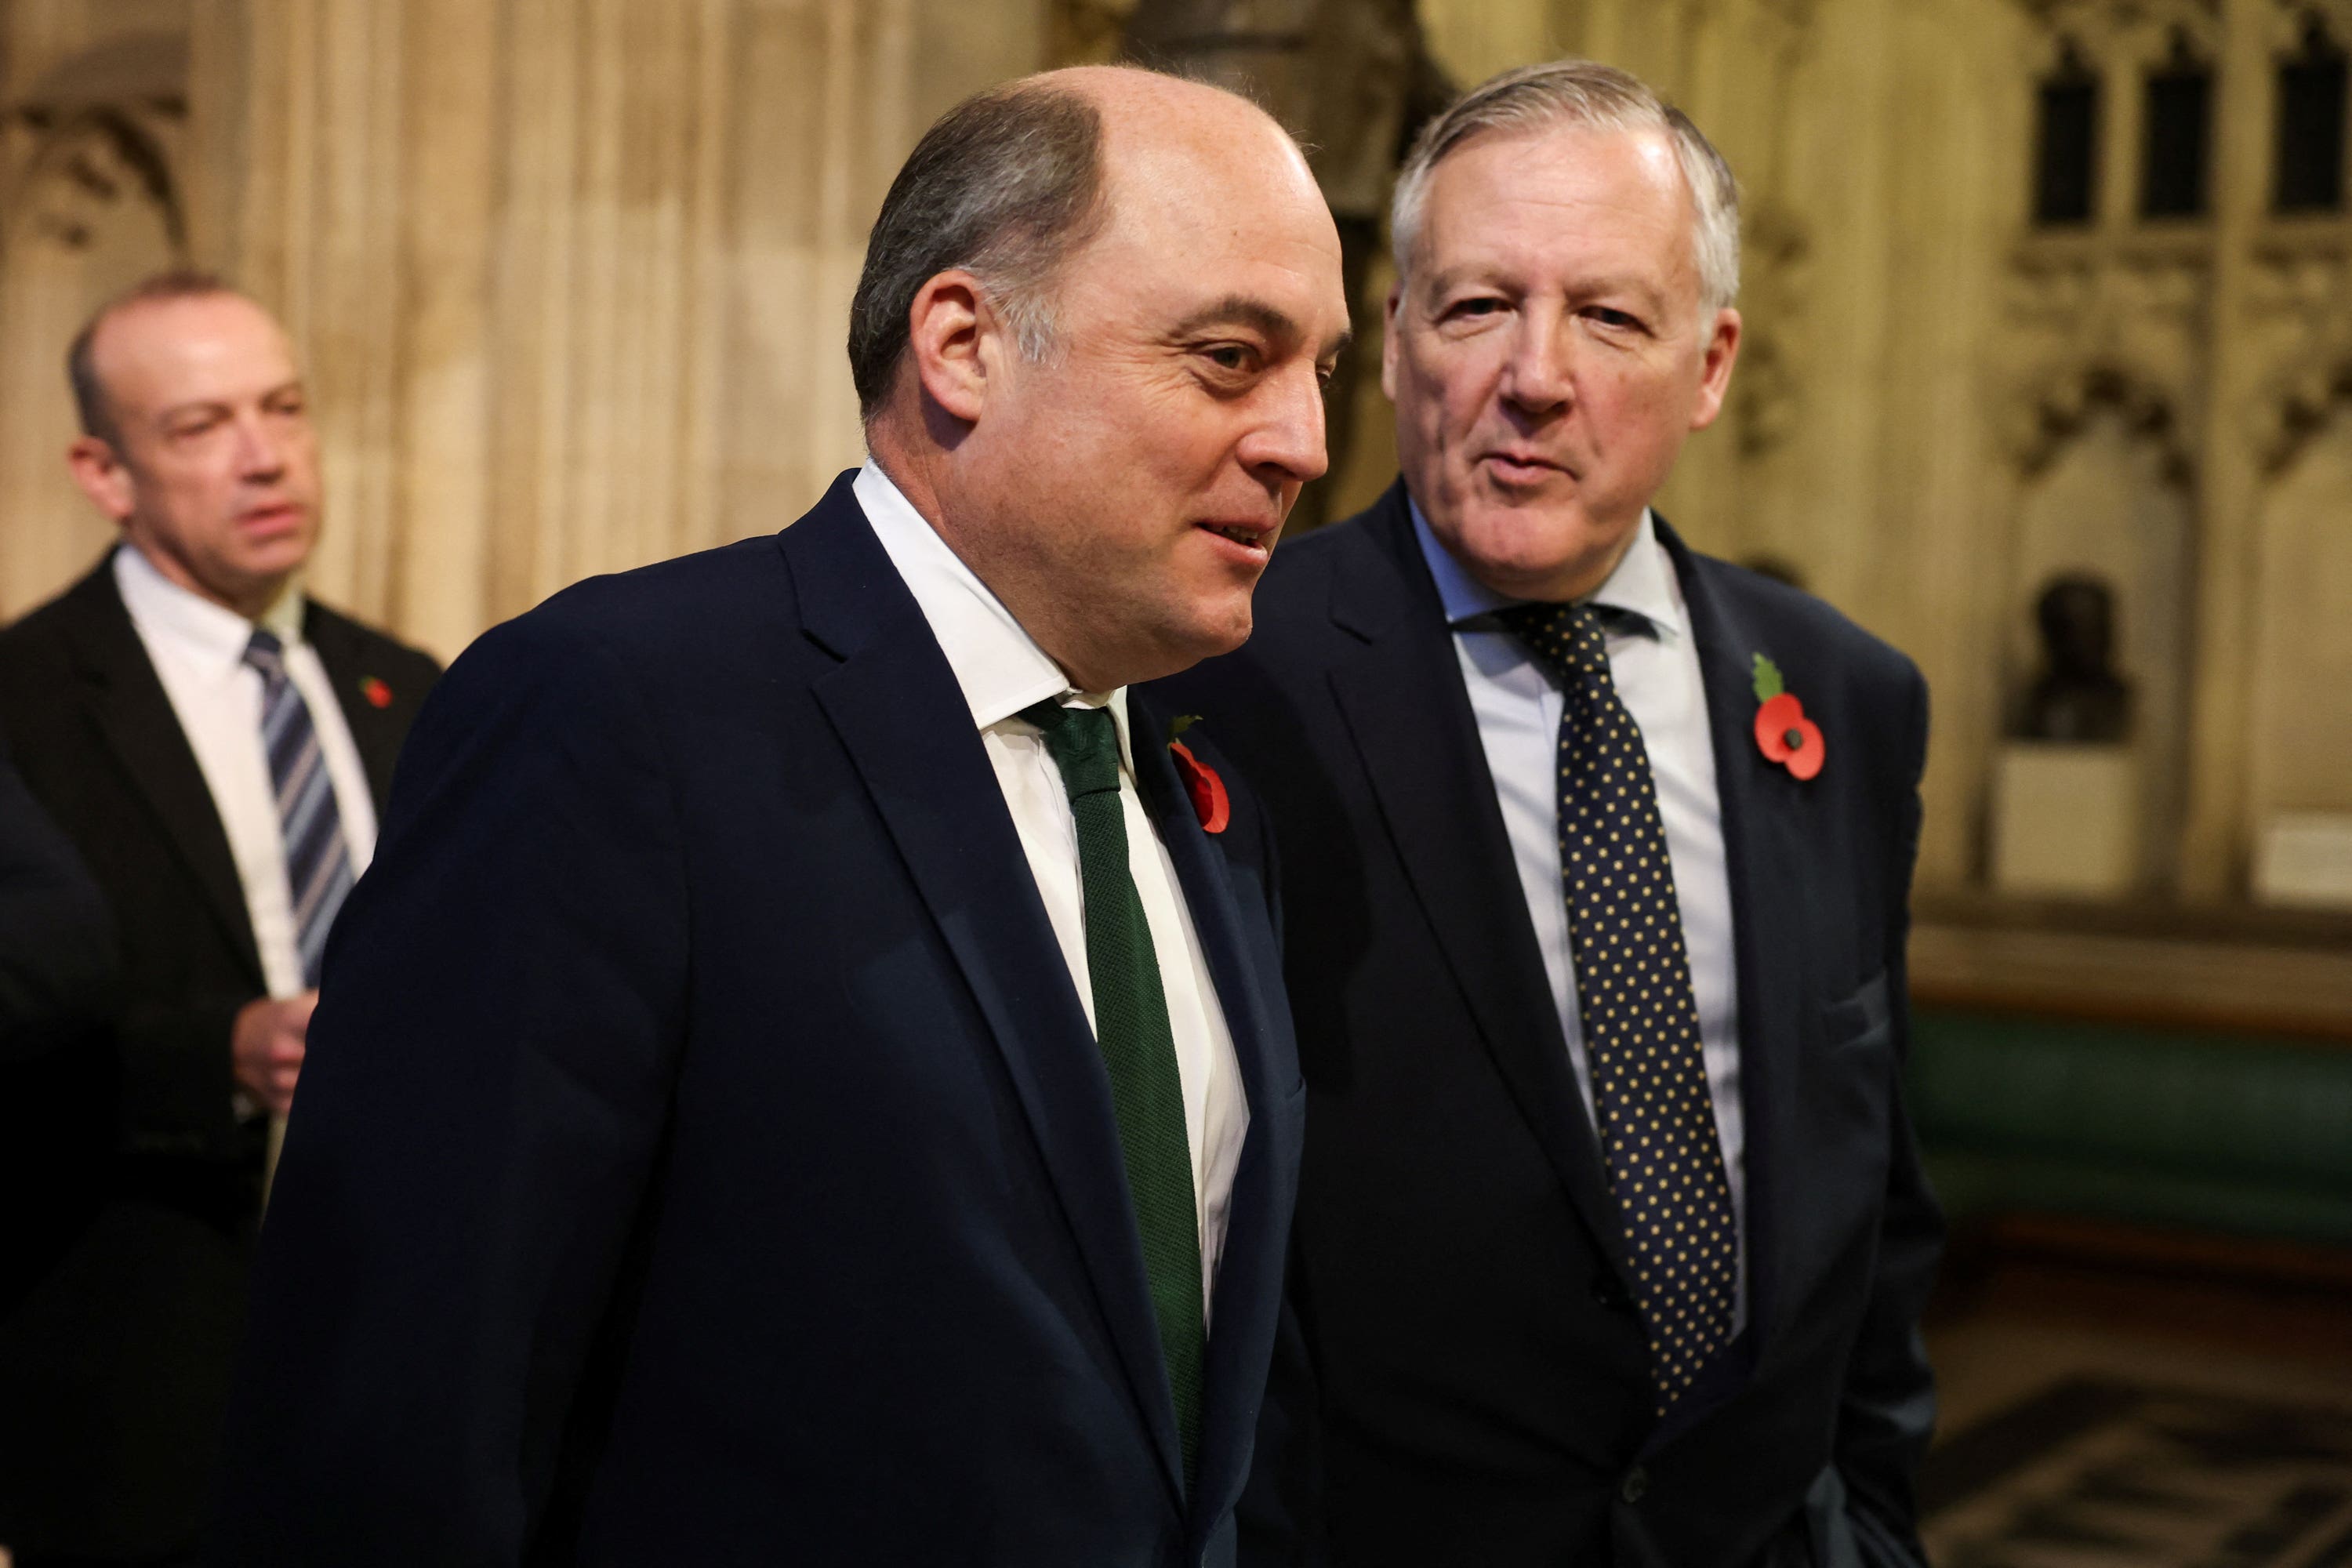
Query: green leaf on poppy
1768, 683
1177, 725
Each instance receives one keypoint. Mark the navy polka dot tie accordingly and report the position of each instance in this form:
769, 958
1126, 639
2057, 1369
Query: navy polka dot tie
1634, 995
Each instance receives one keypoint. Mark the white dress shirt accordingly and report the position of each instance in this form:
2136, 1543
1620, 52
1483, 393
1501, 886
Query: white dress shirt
1002, 670
198, 650
1654, 667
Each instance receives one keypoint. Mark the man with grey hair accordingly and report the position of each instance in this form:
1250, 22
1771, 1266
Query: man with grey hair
807, 1078
1612, 1238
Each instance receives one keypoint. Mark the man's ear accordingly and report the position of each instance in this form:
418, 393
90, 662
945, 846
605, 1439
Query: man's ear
1389, 340
102, 476
1714, 374
955, 337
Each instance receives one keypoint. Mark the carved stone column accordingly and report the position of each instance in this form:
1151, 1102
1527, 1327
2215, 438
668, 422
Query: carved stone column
2218, 834
93, 118
571, 276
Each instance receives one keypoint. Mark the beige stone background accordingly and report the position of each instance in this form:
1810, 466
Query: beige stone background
571, 275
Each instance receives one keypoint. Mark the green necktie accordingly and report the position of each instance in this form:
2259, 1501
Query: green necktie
1146, 1093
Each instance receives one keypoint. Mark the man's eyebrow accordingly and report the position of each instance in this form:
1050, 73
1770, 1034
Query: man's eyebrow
1476, 274
215, 404
1445, 278
1240, 309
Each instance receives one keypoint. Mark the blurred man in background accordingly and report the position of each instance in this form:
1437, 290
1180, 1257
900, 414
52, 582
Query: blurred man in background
1611, 1235
216, 745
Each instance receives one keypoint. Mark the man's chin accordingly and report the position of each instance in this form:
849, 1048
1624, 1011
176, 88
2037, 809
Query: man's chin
1229, 640
256, 577
272, 556
1193, 644
1551, 552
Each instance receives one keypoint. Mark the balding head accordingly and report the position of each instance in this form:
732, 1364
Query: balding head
92, 407
197, 438
1012, 183
1089, 343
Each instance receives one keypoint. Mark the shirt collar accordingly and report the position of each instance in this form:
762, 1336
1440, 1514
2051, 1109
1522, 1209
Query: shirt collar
998, 666
1643, 585
213, 637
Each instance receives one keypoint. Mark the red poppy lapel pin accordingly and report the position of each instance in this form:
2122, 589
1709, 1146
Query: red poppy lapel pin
1783, 734
1210, 802
377, 693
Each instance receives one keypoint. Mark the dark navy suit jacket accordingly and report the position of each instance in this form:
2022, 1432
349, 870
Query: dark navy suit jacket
60, 982
59, 969
702, 1155
114, 1369
1465, 1379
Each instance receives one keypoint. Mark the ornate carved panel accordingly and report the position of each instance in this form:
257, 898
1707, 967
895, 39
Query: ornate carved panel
2082, 323
2124, 32
1767, 395
2287, 18
2299, 326
89, 202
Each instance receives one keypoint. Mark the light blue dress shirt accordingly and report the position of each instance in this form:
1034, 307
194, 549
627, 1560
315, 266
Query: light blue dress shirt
1654, 662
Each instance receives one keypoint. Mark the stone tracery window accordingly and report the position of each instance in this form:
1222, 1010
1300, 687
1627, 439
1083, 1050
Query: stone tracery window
2066, 141
2127, 98
2175, 138
2309, 158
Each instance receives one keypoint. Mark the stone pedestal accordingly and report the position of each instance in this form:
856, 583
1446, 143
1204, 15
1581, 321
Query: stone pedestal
2305, 858
2066, 820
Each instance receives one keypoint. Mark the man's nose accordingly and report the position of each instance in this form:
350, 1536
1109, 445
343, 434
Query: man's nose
259, 452
1538, 376
1290, 439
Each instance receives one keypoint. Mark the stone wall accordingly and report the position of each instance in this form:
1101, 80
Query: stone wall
571, 275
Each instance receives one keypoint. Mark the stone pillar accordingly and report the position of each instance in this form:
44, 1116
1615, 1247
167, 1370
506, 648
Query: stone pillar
603, 318
450, 187
486, 226
822, 137
2216, 840
572, 276
1472, 40
95, 128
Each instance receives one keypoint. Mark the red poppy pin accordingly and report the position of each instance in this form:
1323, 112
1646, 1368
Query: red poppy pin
1783, 734
378, 694
1210, 802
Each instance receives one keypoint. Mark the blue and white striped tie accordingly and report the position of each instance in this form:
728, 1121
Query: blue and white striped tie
318, 863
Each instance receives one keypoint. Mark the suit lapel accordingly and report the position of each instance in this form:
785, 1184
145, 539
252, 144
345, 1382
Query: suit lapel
1249, 1277
136, 719
1410, 716
376, 731
1764, 847
896, 706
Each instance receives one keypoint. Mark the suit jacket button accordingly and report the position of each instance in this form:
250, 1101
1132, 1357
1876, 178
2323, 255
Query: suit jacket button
1637, 1481
1610, 1294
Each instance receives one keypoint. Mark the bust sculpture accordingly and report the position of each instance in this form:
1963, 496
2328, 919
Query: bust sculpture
2078, 697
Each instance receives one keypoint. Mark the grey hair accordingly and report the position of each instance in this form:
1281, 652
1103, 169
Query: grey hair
1582, 93
91, 408
1007, 186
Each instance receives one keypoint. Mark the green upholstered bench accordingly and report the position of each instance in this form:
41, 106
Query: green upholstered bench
2226, 1134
